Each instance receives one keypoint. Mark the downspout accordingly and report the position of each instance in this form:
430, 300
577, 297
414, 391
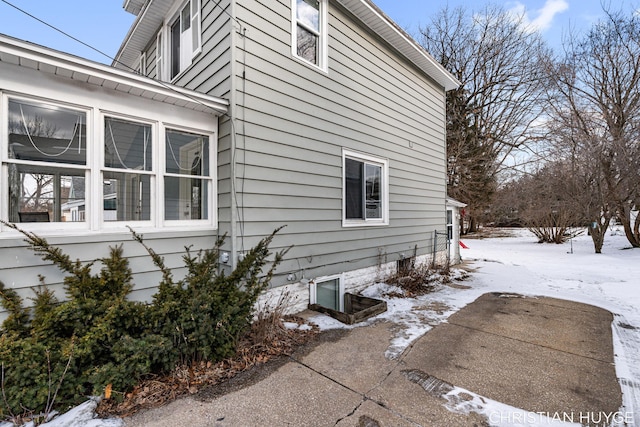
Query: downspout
236, 219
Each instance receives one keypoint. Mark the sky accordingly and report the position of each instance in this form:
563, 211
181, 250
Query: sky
103, 24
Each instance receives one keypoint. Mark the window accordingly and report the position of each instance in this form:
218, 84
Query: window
309, 31
126, 177
185, 38
188, 178
57, 170
141, 65
46, 160
365, 190
328, 292
159, 56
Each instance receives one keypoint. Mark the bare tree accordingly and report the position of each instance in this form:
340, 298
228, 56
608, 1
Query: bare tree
39, 198
496, 109
597, 101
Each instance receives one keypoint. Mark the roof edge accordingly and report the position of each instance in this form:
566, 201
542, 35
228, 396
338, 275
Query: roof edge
72, 63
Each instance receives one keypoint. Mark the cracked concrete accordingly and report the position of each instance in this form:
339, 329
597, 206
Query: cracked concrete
534, 354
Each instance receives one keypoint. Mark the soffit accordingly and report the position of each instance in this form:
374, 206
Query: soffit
142, 32
153, 13
383, 26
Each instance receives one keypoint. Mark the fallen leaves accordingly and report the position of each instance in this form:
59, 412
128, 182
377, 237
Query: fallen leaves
263, 342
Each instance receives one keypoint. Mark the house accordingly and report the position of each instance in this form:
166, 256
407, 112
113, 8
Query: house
87, 149
454, 219
319, 115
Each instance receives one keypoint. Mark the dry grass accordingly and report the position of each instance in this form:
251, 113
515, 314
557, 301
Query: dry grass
418, 280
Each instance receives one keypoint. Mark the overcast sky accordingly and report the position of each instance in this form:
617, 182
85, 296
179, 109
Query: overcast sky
103, 24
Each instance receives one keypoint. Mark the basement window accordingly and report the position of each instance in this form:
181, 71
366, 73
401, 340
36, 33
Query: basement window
327, 292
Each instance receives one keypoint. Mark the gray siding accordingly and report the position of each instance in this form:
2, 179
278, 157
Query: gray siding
298, 119
20, 266
290, 124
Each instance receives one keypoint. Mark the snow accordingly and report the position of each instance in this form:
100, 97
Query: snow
516, 264
81, 416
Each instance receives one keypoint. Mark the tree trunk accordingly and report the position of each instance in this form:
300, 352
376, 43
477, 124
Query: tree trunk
630, 230
598, 232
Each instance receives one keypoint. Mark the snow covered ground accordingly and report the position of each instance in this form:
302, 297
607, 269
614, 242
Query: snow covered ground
517, 264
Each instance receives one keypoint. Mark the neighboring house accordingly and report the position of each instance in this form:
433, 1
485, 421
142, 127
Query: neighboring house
454, 218
335, 128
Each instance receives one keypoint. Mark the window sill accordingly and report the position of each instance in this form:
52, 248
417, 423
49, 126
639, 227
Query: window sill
321, 69
353, 223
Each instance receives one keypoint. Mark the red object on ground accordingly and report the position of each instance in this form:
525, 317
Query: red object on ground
463, 245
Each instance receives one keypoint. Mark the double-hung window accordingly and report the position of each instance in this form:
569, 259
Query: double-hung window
188, 179
128, 169
365, 190
309, 31
46, 162
179, 40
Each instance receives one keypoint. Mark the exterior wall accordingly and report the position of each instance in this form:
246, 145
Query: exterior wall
20, 267
280, 147
297, 119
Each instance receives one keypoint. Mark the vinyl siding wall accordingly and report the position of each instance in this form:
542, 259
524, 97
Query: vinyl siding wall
20, 266
297, 120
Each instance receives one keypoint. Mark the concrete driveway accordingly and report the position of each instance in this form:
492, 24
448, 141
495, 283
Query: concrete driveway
536, 354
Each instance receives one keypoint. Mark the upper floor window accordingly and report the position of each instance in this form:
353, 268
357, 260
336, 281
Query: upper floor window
141, 64
365, 190
183, 38
309, 31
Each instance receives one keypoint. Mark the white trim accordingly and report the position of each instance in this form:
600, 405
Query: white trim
195, 24
212, 179
313, 288
141, 64
365, 158
48, 61
323, 36
26, 86
382, 25
160, 62
196, 28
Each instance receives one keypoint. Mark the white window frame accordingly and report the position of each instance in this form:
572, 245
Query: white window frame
164, 40
313, 288
153, 173
160, 55
94, 167
322, 35
366, 159
141, 64
212, 179
5, 161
